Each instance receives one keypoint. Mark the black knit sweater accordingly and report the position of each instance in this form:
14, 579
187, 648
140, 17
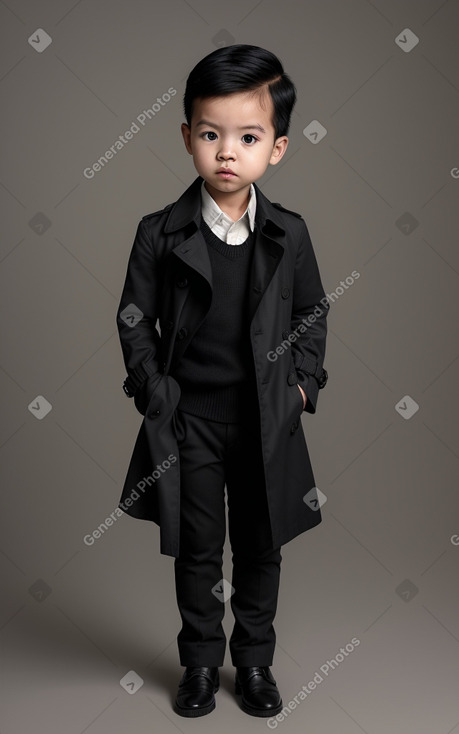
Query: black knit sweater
215, 372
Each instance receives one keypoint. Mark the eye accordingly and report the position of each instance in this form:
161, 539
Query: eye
249, 142
209, 133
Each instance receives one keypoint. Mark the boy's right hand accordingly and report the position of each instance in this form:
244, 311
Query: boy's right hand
303, 394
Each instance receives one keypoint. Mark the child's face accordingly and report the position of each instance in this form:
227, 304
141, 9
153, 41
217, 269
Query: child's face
225, 133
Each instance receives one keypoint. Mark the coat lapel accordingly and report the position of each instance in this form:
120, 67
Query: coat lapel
267, 255
185, 211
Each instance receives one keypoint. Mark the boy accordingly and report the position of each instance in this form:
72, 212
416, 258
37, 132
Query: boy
222, 324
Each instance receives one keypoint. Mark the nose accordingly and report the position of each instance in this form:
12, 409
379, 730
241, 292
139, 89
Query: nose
226, 151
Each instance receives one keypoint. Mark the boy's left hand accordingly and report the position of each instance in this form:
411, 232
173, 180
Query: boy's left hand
304, 396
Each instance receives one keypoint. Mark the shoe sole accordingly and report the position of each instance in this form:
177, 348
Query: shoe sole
193, 713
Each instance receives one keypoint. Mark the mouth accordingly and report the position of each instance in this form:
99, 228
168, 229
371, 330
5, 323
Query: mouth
225, 173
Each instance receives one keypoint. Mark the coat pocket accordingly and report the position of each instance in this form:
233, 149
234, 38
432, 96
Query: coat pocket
294, 386
144, 393
301, 399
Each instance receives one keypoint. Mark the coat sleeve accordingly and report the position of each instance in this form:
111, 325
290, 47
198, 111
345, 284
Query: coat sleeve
136, 319
309, 321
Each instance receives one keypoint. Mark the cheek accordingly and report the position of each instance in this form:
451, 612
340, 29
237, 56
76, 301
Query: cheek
202, 152
262, 159
262, 153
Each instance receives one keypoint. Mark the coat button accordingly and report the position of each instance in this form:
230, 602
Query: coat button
168, 325
154, 413
182, 282
293, 427
182, 333
292, 379
285, 292
323, 379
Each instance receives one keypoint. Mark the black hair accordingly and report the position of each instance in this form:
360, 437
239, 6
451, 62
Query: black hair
242, 68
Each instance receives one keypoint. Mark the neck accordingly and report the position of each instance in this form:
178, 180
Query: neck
233, 203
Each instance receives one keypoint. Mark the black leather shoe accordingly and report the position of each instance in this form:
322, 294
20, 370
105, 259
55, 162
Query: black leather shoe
260, 696
195, 696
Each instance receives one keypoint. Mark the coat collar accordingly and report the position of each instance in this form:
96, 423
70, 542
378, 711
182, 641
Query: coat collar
188, 209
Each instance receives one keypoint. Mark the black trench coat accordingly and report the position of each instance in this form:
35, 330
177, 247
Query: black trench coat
166, 295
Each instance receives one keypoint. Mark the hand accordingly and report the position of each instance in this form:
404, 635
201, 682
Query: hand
304, 395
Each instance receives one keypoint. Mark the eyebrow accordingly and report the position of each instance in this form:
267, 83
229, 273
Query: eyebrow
245, 127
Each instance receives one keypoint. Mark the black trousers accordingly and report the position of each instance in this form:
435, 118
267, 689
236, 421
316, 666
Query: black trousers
213, 455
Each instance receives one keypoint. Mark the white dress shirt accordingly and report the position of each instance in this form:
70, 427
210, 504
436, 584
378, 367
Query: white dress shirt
233, 233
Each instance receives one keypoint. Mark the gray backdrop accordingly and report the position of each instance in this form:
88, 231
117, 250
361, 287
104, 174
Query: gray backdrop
80, 629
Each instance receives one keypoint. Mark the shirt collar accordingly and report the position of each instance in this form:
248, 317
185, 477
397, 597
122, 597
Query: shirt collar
188, 208
212, 214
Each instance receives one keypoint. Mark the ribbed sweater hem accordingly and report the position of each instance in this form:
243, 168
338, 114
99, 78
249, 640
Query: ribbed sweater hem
229, 404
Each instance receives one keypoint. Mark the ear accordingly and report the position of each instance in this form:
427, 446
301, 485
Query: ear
186, 132
279, 148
